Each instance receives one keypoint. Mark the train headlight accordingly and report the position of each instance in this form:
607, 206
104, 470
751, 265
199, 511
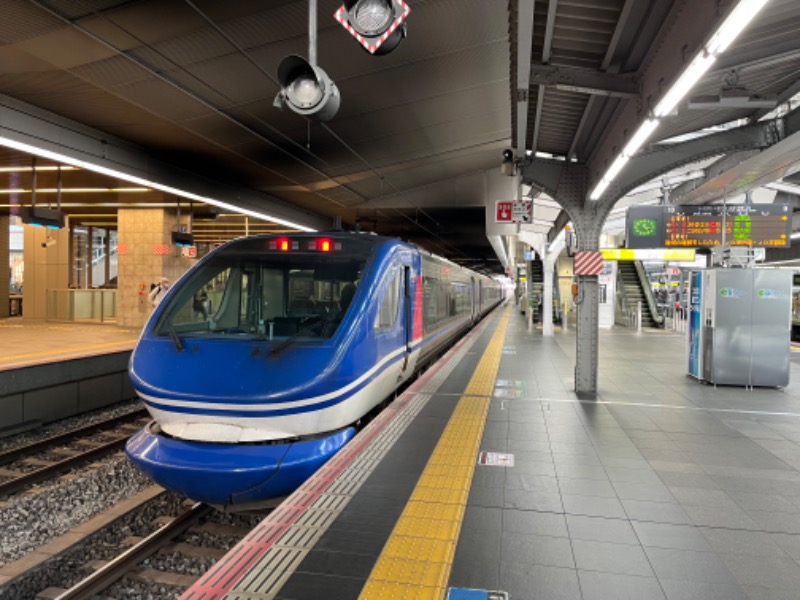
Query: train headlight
306, 89
377, 24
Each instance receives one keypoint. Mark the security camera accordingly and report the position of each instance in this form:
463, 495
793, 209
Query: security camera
508, 166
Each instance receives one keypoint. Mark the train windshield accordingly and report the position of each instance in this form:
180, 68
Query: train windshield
255, 291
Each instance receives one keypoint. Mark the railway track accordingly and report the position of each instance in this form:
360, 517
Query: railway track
115, 569
45, 459
139, 552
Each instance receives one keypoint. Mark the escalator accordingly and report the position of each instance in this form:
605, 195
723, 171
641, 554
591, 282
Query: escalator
537, 293
633, 290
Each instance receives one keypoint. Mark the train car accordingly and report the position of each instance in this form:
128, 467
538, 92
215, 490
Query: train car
260, 362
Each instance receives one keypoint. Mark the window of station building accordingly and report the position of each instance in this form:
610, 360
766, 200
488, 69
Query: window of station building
387, 312
94, 258
15, 260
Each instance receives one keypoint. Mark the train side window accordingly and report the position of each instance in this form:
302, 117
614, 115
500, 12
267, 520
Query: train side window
387, 312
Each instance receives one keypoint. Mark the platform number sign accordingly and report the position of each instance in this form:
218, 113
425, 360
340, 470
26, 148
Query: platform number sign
516, 211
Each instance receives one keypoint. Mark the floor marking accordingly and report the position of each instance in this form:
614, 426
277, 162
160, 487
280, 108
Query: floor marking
418, 557
738, 411
251, 561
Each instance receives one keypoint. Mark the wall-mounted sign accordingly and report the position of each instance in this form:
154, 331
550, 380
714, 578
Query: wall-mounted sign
516, 211
759, 225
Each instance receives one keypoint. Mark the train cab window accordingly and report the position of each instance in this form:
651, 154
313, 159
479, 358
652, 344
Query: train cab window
387, 312
261, 295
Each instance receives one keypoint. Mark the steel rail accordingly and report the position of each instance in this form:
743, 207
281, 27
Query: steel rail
16, 484
16, 453
116, 568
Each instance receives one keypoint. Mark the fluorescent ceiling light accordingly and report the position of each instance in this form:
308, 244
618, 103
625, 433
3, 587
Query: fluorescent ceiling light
739, 18
696, 69
612, 172
640, 137
75, 162
795, 235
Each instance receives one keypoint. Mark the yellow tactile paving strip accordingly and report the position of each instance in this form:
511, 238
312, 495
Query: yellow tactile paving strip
417, 559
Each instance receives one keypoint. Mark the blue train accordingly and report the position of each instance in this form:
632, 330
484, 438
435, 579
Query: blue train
260, 362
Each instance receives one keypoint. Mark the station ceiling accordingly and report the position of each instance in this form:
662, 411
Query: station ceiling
192, 83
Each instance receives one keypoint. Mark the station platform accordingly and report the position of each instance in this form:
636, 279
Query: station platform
51, 371
24, 343
488, 479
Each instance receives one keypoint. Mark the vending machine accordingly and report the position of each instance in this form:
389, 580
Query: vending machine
745, 326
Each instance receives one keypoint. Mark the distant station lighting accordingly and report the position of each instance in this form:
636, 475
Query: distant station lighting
42, 217
306, 89
378, 25
182, 239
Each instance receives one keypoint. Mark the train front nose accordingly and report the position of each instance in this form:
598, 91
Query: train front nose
230, 474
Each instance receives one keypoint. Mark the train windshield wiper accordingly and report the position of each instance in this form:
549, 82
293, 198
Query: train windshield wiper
175, 339
321, 324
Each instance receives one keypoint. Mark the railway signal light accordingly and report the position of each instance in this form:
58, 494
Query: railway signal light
379, 25
306, 89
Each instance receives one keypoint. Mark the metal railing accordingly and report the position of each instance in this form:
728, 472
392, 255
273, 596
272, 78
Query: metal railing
99, 306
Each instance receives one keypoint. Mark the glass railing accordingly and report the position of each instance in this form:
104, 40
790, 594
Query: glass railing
99, 306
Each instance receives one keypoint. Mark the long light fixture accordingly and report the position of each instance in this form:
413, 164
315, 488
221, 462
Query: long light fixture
639, 138
37, 169
720, 41
75, 162
140, 190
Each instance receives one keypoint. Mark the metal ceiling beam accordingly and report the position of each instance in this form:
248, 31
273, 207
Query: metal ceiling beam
612, 48
665, 157
574, 79
561, 222
546, 52
543, 174
779, 158
684, 31
524, 44
677, 195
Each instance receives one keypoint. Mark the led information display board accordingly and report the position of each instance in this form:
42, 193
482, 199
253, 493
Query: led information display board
757, 225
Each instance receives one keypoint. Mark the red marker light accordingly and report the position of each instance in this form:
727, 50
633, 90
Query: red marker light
324, 245
283, 244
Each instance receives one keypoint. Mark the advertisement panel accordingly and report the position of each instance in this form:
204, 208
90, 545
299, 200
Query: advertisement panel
694, 331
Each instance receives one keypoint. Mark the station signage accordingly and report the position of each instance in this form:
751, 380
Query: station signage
756, 225
514, 211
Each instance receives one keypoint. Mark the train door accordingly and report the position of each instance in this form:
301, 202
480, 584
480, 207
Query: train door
408, 316
473, 293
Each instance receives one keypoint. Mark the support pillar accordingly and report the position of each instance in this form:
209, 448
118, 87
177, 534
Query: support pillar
587, 312
145, 253
547, 300
568, 185
47, 266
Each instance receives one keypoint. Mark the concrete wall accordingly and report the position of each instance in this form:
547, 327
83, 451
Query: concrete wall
40, 394
145, 253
